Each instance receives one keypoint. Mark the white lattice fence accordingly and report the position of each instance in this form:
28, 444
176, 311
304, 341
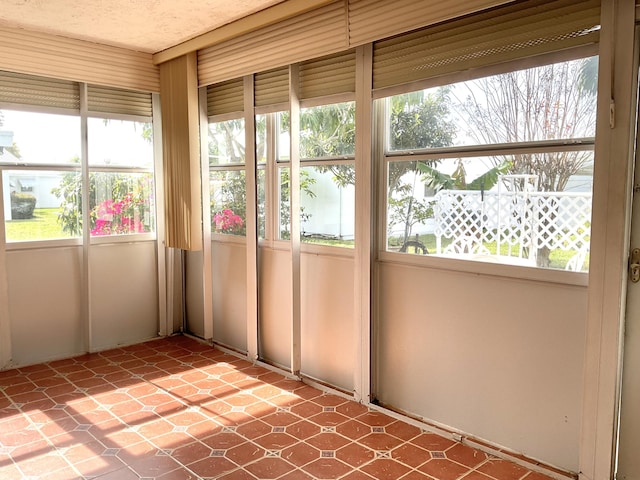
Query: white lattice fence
523, 220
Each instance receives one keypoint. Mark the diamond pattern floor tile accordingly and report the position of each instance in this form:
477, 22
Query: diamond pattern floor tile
175, 409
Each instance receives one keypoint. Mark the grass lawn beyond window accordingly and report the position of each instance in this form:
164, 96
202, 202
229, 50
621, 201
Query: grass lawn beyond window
43, 226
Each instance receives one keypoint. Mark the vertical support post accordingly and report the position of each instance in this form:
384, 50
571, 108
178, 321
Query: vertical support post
363, 224
5, 321
207, 275
165, 327
86, 224
251, 220
272, 181
294, 191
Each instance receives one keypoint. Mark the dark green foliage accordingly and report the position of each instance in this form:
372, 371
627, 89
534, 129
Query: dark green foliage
419, 120
22, 205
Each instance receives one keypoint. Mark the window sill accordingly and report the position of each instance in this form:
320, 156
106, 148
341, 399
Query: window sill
77, 242
517, 269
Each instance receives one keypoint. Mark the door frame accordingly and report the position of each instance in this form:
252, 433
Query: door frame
633, 243
613, 174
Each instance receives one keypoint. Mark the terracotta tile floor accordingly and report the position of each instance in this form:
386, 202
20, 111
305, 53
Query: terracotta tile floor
177, 409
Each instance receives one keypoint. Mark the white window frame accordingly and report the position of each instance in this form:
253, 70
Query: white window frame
81, 168
383, 158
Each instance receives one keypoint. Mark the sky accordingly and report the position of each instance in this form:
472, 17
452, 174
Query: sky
55, 139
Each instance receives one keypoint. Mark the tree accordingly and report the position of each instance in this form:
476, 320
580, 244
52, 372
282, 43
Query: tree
120, 203
306, 181
545, 103
417, 120
229, 201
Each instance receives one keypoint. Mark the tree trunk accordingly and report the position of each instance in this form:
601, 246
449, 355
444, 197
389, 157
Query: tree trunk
542, 260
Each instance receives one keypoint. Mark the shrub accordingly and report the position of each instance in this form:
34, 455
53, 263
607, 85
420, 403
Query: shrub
22, 205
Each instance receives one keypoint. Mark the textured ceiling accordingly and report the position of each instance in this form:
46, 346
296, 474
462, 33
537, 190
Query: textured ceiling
143, 25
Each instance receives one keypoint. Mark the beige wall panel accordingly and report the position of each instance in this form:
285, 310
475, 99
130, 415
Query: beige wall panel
194, 293
124, 294
328, 343
274, 287
229, 279
500, 359
375, 19
5, 325
313, 34
53, 56
44, 304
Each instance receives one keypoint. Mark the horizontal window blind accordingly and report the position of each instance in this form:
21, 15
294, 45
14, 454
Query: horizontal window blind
328, 75
271, 87
118, 101
59, 57
225, 97
371, 20
23, 89
508, 33
319, 32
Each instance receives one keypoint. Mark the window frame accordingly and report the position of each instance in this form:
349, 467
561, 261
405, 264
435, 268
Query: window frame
240, 166
83, 115
39, 167
128, 237
319, 248
383, 158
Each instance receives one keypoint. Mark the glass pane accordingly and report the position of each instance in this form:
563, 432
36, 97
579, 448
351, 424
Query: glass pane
284, 138
261, 185
284, 210
532, 210
261, 139
551, 102
327, 205
228, 202
41, 205
226, 142
120, 143
121, 203
32, 138
328, 131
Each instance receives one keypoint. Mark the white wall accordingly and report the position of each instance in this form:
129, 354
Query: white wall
498, 358
194, 293
44, 303
332, 210
327, 324
45, 299
229, 294
124, 294
275, 306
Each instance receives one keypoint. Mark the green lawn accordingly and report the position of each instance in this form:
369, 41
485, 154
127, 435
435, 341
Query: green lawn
329, 241
43, 226
557, 258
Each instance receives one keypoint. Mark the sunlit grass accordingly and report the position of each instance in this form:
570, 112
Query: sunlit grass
334, 242
558, 258
43, 226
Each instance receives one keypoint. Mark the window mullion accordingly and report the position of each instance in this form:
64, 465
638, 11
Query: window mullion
294, 192
272, 220
86, 221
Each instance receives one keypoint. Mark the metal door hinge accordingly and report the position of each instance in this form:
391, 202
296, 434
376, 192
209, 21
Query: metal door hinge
634, 265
